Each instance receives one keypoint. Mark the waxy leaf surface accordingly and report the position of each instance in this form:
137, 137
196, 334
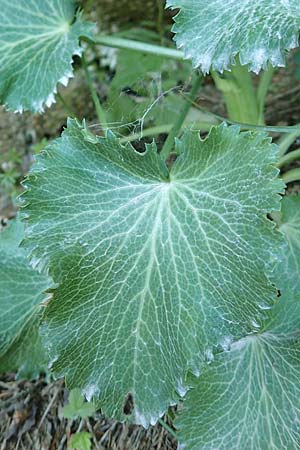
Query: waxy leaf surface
249, 397
154, 266
287, 274
213, 32
21, 294
37, 41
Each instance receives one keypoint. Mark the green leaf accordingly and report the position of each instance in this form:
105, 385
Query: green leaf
77, 407
212, 33
248, 398
26, 355
38, 39
154, 267
21, 295
81, 441
287, 273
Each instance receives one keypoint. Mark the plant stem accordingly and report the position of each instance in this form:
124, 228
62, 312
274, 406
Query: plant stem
291, 175
67, 107
169, 143
263, 87
147, 132
239, 94
247, 98
160, 19
286, 141
129, 44
168, 428
295, 129
99, 110
289, 157
160, 129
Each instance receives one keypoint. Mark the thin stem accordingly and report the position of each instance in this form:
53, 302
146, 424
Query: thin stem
99, 110
268, 129
160, 19
169, 143
263, 87
67, 107
248, 126
231, 95
129, 44
160, 129
291, 175
286, 141
168, 428
289, 157
147, 132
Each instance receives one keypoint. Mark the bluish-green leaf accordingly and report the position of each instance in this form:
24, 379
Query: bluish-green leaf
37, 41
21, 295
154, 266
213, 32
249, 397
287, 274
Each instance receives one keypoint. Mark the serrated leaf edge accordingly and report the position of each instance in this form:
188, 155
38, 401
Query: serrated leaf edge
38, 106
276, 59
225, 342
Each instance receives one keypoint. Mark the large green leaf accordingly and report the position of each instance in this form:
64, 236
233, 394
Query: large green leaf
21, 294
154, 267
212, 32
288, 269
37, 41
249, 397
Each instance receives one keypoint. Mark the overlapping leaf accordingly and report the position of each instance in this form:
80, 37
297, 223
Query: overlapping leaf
154, 267
213, 32
21, 294
288, 269
37, 42
249, 398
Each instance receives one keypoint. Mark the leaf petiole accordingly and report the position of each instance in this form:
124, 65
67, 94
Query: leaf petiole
291, 175
130, 44
169, 143
292, 130
168, 428
67, 107
286, 141
263, 87
239, 94
99, 110
160, 129
289, 157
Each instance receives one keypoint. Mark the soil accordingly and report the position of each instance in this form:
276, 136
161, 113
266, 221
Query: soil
30, 419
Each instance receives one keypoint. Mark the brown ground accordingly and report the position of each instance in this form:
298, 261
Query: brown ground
30, 419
